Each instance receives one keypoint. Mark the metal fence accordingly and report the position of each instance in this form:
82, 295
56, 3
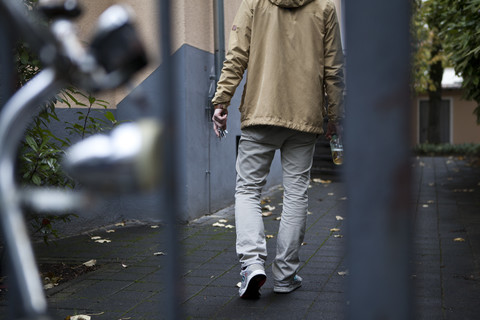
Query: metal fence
377, 159
377, 164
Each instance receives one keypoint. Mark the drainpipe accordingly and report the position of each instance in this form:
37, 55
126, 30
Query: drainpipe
219, 31
219, 57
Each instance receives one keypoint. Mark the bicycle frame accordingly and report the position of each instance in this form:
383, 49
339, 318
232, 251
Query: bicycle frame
61, 51
13, 122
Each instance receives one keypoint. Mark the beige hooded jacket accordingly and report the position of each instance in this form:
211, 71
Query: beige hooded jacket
293, 52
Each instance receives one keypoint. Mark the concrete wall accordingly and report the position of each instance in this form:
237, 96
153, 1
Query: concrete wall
465, 127
209, 163
146, 14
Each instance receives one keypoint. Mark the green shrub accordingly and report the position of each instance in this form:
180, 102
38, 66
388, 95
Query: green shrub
466, 149
41, 150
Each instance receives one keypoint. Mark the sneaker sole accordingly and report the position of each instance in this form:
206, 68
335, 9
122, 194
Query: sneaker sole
254, 286
286, 289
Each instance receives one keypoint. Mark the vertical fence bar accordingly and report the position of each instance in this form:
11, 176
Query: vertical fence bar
6, 61
170, 118
377, 159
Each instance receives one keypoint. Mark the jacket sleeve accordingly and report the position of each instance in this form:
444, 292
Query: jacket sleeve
334, 78
236, 60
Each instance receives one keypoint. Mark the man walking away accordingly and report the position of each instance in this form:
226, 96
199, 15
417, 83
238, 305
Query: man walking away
292, 50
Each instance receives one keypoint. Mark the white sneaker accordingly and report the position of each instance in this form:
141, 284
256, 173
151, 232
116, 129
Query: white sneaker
253, 279
293, 285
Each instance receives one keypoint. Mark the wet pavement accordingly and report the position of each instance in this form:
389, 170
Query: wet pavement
129, 282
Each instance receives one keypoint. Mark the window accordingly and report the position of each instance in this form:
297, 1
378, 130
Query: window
440, 122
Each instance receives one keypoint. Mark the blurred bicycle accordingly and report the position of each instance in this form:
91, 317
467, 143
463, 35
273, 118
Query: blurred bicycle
126, 160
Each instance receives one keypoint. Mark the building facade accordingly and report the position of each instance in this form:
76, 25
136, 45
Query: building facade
457, 122
209, 174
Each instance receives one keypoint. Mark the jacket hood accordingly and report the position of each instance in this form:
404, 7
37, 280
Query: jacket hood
290, 3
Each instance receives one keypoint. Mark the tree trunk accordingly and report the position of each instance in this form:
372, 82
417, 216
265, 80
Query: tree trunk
435, 98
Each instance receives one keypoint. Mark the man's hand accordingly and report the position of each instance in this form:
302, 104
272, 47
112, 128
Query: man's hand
332, 129
220, 119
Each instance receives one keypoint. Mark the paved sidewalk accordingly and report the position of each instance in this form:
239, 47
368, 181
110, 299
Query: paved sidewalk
447, 239
129, 282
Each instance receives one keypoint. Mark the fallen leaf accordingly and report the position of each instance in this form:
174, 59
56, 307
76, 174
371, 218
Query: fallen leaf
278, 218
120, 224
270, 236
317, 180
90, 263
265, 201
343, 273
218, 224
459, 240
124, 265
96, 238
160, 253
337, 236
229, 226
87, 317
267, 213
334, 230
103, 241
269, 207
48, 286
223, 221
331, 193
425, 206
464, 190
155, 227
110, 231
80, 317
339, 218
304, 244
309, 212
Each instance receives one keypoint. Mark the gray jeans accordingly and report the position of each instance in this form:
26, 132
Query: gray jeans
255, 154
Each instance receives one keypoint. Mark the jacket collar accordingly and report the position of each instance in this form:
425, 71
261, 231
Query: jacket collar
290, 3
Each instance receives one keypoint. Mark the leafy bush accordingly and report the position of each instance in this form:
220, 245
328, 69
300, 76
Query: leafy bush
41, 151
466, 149
87, 123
